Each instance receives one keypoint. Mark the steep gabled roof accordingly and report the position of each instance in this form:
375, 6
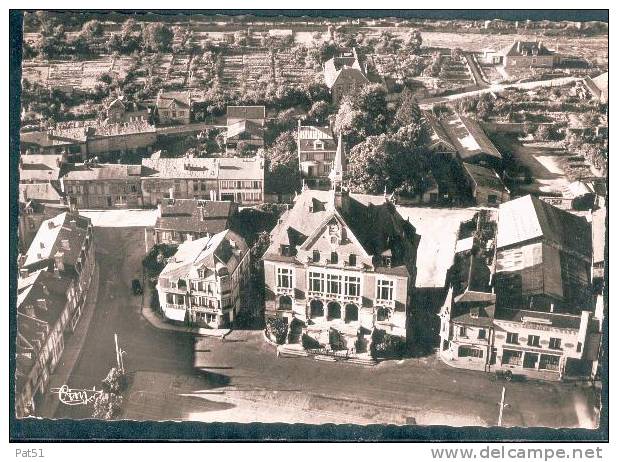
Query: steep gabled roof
484, 177
528, 218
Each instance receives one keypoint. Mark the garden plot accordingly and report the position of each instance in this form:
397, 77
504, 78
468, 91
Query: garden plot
455, 73
246, 69
289, 69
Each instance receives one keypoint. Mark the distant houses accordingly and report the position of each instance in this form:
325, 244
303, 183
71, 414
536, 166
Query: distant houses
464, 140
523, 55
245, 128
316, 154
174, 107
344, 74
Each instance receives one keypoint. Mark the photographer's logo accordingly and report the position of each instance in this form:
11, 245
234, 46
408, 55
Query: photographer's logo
76, 396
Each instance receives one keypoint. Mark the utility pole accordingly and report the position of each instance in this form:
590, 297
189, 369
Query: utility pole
118, 356
502, 405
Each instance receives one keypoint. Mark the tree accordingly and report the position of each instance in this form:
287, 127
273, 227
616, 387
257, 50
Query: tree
408, 111
92, 29
157, 37
414, 41
381, 163
283, 175
318, 113
107, 406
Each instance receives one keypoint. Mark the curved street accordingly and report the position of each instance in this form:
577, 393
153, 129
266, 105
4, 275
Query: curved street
240, 379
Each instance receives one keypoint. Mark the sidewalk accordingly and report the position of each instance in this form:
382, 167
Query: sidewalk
155, 321
72, 349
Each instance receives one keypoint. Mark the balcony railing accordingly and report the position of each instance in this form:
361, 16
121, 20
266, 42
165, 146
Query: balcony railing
284, 290
339, 297
382, 302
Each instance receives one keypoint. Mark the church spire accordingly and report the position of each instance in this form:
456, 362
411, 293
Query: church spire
336, 173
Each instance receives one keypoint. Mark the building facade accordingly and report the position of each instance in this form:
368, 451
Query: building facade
316, 154
204, 283
103, 186
241, 180
340, 263
174, 107
55, 278
179, 178
180, 220
345, 74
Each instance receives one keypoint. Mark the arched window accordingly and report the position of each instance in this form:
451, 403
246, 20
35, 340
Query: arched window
285, 303
351, 313
382, 314
334, 311
316, 309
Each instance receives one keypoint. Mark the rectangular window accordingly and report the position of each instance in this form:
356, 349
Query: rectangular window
352, 260
385, 289
470, 352
512, 358
352, 286
316, 256
463, 332
554, 343
316, 282
334, 284
549, 362
512, 338
534, 340
482, 334
284, 278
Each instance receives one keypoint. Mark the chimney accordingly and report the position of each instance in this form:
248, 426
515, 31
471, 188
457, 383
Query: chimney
50, 225
518, 46
41, 304
73, 223
23, 273
59, 262
65, 242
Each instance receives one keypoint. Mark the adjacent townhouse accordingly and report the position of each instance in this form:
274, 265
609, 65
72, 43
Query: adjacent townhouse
179, 178
55, 278
245, 128
119, 110
204, 283
101, 186
34, 211
544, 302
316, 153
241, 180
344, 74
533, 313
174, 107
486, 187
341, 265
180, 220
83, 140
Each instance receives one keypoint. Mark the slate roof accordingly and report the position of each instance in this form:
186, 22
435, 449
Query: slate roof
181, 98
249, 168
95, 172
469, 138
484, 177
558, 320
525, 47
255, 130
528, 218
182, 167
347, 64
190, 215
40, 192
377, 228
48, 240
211, 252
308, 134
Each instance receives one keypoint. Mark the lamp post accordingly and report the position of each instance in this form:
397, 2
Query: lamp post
502, 405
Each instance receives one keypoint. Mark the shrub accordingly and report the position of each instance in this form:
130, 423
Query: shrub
115, 382
309, 343
107, 406
156, 259
277, 328
384, 345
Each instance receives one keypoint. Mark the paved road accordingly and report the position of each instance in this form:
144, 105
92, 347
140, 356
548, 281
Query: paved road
241, 379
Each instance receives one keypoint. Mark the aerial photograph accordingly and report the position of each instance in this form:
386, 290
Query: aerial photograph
313, 218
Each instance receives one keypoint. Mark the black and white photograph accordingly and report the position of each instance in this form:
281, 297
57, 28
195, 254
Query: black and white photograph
343, 219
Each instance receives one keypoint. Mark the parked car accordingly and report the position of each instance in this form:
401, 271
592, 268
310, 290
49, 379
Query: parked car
137, 287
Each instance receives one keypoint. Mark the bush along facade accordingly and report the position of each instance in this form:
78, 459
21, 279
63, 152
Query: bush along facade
277, 330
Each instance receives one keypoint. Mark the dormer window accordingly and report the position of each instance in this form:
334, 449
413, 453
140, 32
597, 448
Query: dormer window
318, 144
285, 250
316, 256
352, 259
386, 261
334, 258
